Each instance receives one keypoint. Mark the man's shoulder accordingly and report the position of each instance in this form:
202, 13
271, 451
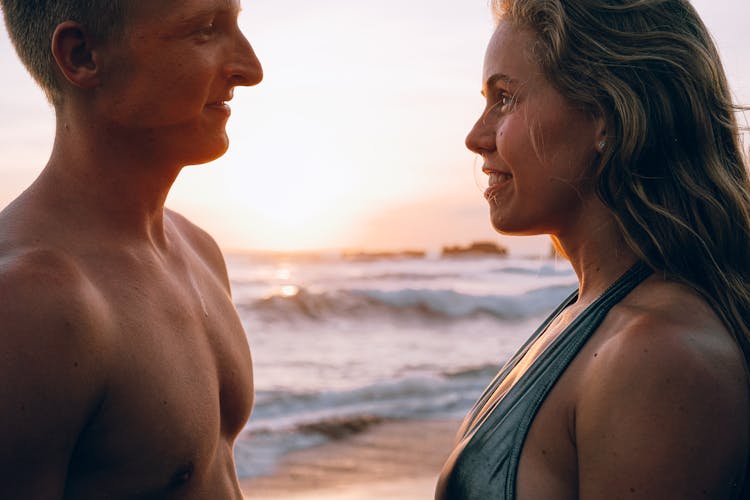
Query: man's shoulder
25, 266
199, 241
196, 237
53, 361
45, 294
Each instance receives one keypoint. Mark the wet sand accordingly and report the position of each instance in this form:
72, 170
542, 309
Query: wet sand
394, 460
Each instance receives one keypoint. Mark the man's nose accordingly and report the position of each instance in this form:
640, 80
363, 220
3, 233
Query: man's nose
245, 68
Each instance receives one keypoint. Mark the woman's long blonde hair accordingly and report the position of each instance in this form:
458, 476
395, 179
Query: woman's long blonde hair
673, 172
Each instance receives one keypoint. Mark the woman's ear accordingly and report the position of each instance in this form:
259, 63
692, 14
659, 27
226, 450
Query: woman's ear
73, 53
601, 139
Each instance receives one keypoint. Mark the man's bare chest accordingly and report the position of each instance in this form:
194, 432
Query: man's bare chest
180, 380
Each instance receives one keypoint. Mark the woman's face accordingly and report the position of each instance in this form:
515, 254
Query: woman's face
537, 148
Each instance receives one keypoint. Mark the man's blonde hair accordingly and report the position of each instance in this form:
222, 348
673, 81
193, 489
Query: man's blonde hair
31, 23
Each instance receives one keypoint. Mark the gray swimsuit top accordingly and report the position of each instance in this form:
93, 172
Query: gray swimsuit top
487, 465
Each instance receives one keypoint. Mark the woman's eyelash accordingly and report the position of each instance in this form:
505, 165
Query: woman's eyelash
505, 98
502, 100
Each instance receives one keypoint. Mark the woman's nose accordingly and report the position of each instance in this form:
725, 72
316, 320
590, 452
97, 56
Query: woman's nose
481, 138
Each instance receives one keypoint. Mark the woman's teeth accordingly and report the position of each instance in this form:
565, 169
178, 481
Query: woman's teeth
498, 177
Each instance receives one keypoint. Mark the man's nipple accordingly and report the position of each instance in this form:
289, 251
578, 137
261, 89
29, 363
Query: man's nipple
183, 475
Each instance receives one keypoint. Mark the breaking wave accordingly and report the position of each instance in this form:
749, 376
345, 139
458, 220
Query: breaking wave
407, 303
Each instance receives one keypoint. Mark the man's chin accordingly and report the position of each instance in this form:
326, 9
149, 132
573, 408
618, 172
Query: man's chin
207, 154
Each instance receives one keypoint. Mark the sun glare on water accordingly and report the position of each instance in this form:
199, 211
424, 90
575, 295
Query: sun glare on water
288, 290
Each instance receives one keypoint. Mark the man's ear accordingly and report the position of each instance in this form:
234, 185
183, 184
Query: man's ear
72, 51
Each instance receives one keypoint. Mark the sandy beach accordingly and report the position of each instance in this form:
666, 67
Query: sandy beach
396, 460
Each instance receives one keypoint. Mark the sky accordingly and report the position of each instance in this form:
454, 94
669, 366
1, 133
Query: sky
355, 137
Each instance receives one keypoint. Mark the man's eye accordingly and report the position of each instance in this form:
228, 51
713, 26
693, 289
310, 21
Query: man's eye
207, 30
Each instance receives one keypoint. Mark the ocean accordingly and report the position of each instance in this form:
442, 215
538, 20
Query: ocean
339, 344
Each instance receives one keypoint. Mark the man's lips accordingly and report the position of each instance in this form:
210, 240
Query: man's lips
220, 106
222, 102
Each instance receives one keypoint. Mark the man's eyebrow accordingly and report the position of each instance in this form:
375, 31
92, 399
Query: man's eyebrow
492, 81
225, 8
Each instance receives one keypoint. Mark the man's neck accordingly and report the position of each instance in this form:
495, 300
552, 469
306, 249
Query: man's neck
110, 179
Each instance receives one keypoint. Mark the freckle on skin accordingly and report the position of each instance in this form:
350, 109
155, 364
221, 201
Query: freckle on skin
632, 490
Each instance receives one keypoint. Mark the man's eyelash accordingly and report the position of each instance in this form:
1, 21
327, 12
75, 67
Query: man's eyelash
208, 30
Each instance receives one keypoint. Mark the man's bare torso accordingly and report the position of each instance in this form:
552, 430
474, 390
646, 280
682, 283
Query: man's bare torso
149, 368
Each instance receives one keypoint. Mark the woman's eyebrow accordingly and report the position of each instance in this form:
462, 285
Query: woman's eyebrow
492, 82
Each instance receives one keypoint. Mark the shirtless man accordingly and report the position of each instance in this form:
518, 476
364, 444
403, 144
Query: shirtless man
124, 369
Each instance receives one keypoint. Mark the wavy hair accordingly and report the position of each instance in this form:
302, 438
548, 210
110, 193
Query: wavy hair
673, 172
31, 23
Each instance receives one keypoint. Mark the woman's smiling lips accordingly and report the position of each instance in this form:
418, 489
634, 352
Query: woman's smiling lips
497, 180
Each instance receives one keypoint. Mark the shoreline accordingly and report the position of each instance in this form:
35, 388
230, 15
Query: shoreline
396, 459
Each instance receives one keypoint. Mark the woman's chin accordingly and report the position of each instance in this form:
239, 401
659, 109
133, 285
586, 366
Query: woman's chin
511, 227
500, 221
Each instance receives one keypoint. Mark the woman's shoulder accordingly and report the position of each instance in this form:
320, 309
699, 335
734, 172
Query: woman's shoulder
667, 331
665, 393
672, 321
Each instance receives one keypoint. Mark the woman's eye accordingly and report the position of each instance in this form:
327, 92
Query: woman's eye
505, 101
503, 104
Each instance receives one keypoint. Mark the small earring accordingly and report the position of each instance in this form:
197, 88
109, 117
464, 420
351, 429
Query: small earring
601, 145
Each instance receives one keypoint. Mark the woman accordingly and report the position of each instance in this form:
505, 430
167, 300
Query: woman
609, 125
